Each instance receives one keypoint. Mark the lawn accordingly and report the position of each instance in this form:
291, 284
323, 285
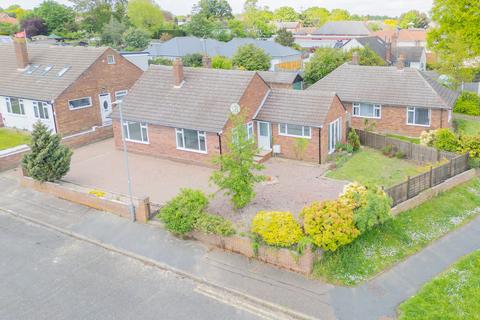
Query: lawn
467, 127
371, 166
455, 294
10, 138
404, 235
403, 138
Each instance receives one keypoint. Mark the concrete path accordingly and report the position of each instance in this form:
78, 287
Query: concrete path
376, 298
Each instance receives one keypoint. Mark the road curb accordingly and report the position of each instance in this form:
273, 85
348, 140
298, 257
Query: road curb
248, 298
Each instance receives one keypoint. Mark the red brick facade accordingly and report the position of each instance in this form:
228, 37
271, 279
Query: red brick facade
336, 111
101, 77
394, 120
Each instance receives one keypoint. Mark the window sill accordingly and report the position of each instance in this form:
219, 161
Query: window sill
294, 136
79, 108
137, 141
192, 150
18, 115
364, 117
418, 125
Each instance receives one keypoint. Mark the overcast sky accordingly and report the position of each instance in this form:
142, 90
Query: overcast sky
380, 7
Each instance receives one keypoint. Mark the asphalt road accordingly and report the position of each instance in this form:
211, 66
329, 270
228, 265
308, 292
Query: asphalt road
47, 275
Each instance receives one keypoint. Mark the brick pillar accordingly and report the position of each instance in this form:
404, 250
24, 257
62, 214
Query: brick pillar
206, 62
355, 59
401, 62
21, 53
142, 212
178, 76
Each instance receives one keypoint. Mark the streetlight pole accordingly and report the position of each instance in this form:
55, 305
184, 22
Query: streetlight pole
131, 206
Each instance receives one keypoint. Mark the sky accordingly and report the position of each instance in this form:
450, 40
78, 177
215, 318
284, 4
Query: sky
375, 7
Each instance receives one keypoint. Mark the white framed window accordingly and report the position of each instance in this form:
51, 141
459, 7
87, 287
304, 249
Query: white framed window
191, 140
417, 116
40, 109
80, 103
293, 130
250, 130
449, 115
367, 110
111, 59
135, 131
120, 94
334, 134
15, 106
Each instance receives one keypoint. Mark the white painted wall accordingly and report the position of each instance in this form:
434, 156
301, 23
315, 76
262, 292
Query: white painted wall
352, 44
27, 120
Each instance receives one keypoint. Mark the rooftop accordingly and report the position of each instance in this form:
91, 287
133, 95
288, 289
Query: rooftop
354, 28
279, 77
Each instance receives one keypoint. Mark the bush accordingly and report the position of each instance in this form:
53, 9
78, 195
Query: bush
471, 144
181, 213
445, 139
343, 147
427, 138
354, 140
468, 103
213, 224
388, 150
193, 60
400, 155
251, 57
161, 61
354, 195
135, 39
277, 228
300, 147
376, 210
221, 62
330, 224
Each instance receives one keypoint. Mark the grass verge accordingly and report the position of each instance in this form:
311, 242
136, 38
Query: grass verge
11, 138
403, 138
455, 294
404, 235
467, 127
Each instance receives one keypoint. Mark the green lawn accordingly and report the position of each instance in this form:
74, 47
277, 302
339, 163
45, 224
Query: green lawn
455, 294
408, 233
467, 127
403, 138
371, 166
11, 138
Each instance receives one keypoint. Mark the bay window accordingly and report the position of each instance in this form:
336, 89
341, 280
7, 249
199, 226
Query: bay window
293, 130
366, 110
15, 106
418, 116
135, 131
191, 140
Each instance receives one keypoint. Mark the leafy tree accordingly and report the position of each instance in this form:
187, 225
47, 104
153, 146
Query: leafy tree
221, 62
213, 9
391, 23
285, 38
200, 26
250, 57
48, 160
285, 14
413, 18
112, 33
135, 39
145, 15
33, 26
367, 57
57, 17
236, 175
374, 26
96, 14
324, 61
339, 15
160, 61
192, 60
237, 28
8, 28
257, 20
16, 11
315, 16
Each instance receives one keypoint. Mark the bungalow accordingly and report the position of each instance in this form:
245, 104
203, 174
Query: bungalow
69, 89
183, 114
398, 100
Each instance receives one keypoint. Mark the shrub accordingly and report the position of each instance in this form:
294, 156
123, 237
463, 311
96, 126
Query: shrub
354, 195
427, 138
300, 147
400, 155
193, 60
468, 103
181, 213
471, 144
277, 228
375, 210
161, 61
343, 147
354, 140
213, 224
136, 39
446, 140
330, 224
388, 150
251, 57
221, 62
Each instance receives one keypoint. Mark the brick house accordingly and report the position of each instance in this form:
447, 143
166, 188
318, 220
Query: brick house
183, 114
398, 100
69, 89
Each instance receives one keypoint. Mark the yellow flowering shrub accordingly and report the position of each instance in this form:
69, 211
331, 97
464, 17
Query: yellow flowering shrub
354, 195
277, 228
330, 224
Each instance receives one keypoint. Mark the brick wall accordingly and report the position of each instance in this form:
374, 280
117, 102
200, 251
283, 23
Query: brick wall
97, 134
336, 111
394, 120
287, 145
99, 78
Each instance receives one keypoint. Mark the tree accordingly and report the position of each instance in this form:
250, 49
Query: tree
200, 26
193, 60
57, 17
8, 28
366, 57
213, 9
145, 15
237, 28
285, 38
33, 26
339, 15
16, 11
250, 57
257, 20
112, 33
48, 160
221, 62
236, 175
324, 61
315, 16
413, 18
135, 39
95, 13
285, 14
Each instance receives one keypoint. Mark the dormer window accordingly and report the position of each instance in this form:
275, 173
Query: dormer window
111, 59
64, 69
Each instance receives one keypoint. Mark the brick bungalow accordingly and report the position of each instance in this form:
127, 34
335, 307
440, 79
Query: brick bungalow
183, 114
396, 99
69, 89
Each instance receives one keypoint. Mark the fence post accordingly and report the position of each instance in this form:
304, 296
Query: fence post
408, 187
451, 167
410, 151
431, 174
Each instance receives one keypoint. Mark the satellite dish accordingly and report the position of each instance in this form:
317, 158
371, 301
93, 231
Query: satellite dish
235, 108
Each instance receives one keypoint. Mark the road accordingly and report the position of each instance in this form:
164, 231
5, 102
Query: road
48, 275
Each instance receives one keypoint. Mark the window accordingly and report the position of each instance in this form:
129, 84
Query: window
47, 69
32, 68
64, 69
15, 106
334, 134
80, 103
120, 94
418, 116
41, 110
191, 140
294, 130
135, 131
111, 59
367, 110
250, 130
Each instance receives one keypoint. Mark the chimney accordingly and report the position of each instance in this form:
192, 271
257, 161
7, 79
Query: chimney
401, 62
388, 52
178, 77
355, 58
206, 61
21, 53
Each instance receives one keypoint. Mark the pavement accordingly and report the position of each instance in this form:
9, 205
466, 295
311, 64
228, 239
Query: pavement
264, 286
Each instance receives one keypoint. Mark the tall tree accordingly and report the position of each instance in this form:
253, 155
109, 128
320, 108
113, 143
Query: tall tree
33, 26
250, 57
339, 15
135, 39
57, 17
112, 33
213, 9
315, 16
285, 14
257, 20
145, 15
96, 13
324, 61
284, 37
414, 19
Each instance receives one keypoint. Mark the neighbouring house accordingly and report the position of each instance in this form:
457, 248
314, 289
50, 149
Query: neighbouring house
404, 37
281, 57
6, 39
380, 47
5, 18
331, 33
291, 26
69, 89
414, 57
395, 99
283, 80
183, 114
138, 58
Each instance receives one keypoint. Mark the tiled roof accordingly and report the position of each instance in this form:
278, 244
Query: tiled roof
411, 54
386, 85
308, 108
375, 43
272, 48
279, 77
5, 18
404, 35
287, 24
201, 103
355, 28
45, 87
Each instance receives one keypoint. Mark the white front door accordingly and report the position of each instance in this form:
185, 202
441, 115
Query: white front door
264, 135
105, 107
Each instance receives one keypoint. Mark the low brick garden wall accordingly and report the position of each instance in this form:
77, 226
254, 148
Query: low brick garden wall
11, 158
